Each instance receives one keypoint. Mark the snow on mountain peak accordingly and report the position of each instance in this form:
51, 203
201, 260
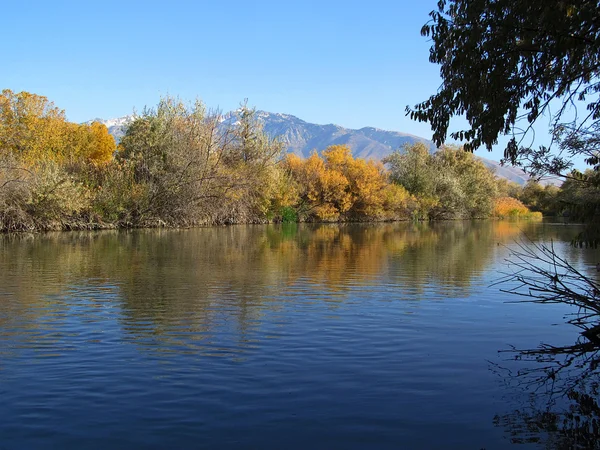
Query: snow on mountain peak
117, 122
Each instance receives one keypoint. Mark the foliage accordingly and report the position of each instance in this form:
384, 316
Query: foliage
508, 188
508, 207
179, 164
193, 169
116, 197
42, 196
580, 195
55, 194
366, 181
323, 192
499, 57
410, 169
288, 214
91, 143
450, 184
541, 198
259, 188
33, 129
338, 186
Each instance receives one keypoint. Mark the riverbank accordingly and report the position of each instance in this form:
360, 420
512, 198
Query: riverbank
179, 166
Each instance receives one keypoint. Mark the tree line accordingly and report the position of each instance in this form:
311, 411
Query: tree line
180, 164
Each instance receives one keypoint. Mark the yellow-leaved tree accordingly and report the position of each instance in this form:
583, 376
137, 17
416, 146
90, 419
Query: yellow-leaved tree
323, 192
339, 186
31, 127
91, 142
366, 179
33, 130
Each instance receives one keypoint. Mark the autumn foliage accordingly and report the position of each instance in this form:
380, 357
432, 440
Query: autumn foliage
179, 164
338, 186
33, 129
509, 207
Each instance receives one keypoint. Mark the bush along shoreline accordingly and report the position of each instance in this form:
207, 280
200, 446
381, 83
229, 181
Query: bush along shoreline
181, 165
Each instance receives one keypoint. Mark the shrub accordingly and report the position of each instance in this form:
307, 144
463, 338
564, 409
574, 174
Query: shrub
289, 214
508, 207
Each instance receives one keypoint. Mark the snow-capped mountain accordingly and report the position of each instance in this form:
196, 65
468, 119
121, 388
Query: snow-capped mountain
117, 126
301, 137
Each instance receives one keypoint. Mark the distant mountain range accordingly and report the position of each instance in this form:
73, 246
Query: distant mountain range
302, 138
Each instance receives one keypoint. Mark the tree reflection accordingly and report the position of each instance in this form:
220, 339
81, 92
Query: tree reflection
561, 382
561, 386
196, 286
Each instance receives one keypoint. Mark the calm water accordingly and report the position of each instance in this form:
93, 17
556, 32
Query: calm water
379, 336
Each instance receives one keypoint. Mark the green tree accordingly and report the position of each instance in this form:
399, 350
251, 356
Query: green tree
504, 62
580, 197
449, 184
195, 167
252, 160
174, 149
409, 168
541, 198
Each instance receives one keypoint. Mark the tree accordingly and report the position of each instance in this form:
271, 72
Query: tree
580, 197
505, 63
196, 167
91, 142
323, 192
31, 127
175, 150
366, 181
338, 186
541, 198
409, 169
253, 160
449, 184
34, 130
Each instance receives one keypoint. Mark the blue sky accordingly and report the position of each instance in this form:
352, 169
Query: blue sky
351, 63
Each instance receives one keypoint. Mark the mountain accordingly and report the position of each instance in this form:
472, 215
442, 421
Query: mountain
116, 127
301, 137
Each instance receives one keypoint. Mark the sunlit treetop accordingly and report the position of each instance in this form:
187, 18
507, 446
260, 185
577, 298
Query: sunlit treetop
34, 130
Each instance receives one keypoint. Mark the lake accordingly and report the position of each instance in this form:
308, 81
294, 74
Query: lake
274, 336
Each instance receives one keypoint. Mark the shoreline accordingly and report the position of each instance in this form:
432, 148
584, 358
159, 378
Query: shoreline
164, 226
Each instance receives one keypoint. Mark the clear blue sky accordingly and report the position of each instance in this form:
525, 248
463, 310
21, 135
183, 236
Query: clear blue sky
353, 63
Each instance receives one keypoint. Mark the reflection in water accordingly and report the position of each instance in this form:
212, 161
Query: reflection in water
561, 387
343, 335
170, 279
206, 282
561, 382
188, 279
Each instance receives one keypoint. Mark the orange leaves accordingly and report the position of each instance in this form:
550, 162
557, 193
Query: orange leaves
505, 207
103, 144
30, 125
338, 157
323, 191
338, 186
368, 183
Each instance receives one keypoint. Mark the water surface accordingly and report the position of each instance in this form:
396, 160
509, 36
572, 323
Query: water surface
326, 336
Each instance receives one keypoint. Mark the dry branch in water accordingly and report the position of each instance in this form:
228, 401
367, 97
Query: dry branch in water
540, 275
